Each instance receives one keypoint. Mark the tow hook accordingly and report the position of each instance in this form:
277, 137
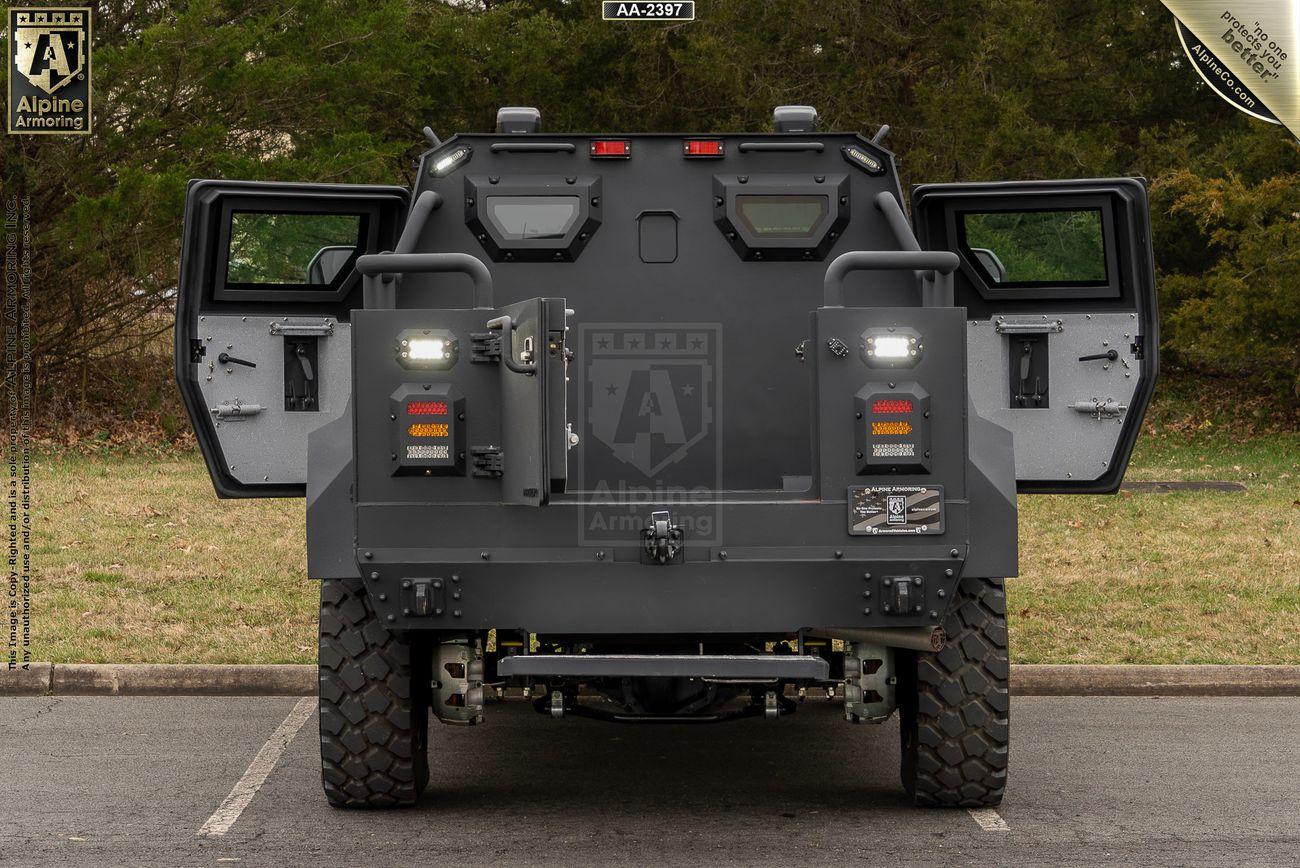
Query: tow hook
661, 539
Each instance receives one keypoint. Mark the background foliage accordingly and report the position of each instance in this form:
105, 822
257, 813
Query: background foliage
337, 90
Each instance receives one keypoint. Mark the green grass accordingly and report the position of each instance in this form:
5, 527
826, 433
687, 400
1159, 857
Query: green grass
137, 561
1186, 577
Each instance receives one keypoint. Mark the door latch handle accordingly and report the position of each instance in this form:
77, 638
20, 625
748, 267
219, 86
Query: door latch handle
661, 539
228, 359
506, 324
1109, 356
301, 352
1100, 408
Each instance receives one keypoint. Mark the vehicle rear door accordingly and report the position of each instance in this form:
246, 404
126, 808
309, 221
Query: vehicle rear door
263, 310
1059, 285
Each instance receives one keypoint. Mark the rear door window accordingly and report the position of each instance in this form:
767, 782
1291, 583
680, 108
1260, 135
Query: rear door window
287, 250
1037, 248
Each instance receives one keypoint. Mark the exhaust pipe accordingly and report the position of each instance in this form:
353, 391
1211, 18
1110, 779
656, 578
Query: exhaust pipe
929, 639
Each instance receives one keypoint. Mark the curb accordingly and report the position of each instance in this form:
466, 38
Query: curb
1075, 679
1029, 679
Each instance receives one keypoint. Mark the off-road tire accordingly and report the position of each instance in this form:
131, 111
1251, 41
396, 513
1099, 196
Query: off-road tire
953, 705
374, 704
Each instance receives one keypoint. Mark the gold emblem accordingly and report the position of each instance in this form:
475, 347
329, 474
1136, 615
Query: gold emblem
49, 70
50, 47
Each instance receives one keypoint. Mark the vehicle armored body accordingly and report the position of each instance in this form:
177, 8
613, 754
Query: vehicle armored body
651, 427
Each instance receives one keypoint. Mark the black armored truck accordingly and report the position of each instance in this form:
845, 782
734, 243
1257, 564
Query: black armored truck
664, 427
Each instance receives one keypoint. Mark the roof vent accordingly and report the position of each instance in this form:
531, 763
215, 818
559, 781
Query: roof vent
794, 119
518, 119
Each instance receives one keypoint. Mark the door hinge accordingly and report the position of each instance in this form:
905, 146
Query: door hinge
485, 348
487, 460
197, 350
1138, 346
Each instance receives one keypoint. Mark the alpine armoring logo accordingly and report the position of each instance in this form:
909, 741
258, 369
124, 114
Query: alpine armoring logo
49, 70
650, 417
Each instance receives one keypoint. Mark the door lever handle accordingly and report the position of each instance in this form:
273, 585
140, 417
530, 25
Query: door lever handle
301, 352
506, 324
228, 359
1109, 355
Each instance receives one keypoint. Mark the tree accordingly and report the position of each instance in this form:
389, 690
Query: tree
338, 91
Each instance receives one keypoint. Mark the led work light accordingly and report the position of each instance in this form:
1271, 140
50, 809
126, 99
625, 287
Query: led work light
893, 347
431, 349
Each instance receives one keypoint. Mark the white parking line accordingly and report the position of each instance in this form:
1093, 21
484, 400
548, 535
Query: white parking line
226, 815
989, 819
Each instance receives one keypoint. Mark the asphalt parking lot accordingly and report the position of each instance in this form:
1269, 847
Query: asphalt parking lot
146, 780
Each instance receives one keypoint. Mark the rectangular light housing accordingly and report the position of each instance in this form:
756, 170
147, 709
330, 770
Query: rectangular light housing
618, 149
703, 148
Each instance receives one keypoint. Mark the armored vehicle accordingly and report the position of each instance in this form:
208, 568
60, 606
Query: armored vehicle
664, 428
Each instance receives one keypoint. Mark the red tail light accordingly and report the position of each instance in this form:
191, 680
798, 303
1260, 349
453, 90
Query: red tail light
900, 405
426, 408
615, 148
702, 148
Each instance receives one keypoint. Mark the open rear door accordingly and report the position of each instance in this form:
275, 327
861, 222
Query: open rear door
1059, 285
263, 319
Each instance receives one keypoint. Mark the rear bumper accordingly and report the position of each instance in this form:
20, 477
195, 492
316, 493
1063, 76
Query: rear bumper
732, 597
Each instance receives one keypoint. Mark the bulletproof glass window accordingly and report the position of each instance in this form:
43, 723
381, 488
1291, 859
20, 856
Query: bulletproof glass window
520, 218
1036, 248
291, 250
782, 216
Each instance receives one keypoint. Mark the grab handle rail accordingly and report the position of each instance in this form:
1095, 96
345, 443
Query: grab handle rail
939, 263
383, 295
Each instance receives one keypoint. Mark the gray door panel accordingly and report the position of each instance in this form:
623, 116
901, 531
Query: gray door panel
262, 440
1041, 433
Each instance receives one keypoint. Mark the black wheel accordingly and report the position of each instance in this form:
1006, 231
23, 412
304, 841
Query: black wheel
374, 704
953, 705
